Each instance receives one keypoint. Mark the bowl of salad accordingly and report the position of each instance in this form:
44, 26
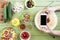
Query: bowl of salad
29, 4
8, 34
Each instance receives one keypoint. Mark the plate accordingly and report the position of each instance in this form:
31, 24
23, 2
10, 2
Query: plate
8, 34
53, 20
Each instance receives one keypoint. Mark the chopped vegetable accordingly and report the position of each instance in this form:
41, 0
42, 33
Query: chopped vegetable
8, 34
17, 7
15, 22
26, 18
9, 11
11, 39
5, 13
30, 4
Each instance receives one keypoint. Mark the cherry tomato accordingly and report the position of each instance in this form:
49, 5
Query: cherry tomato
6, 32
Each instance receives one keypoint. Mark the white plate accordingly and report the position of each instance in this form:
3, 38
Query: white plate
53, 20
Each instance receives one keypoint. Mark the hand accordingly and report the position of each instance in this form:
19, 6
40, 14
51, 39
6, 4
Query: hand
47, 10
51, 9
46, 30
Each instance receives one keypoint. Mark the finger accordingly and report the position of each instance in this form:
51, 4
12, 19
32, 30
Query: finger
43, 28
48, 27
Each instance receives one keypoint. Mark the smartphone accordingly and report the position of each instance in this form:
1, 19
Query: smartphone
43, 20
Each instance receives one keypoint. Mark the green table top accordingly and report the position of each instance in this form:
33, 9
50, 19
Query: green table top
35, 33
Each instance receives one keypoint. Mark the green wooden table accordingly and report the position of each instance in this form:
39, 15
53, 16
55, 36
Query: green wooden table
35, 33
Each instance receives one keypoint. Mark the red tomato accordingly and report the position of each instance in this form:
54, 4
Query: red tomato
3, 38
8, 36
6, 32
8, 28
3, 3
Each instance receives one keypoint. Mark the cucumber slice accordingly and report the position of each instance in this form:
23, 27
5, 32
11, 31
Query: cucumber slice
5, 13
9, 11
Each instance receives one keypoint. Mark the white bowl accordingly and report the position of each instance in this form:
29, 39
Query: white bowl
27, 32
38, 25
26, 4
18, 7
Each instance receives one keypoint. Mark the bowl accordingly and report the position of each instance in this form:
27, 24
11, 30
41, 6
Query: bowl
18, 7
26, 4
25, 35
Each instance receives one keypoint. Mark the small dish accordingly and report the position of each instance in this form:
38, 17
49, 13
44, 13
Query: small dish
25, 35
17, 7
30, 5
15, 22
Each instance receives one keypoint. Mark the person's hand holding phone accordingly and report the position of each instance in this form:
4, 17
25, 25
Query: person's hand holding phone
46, 29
